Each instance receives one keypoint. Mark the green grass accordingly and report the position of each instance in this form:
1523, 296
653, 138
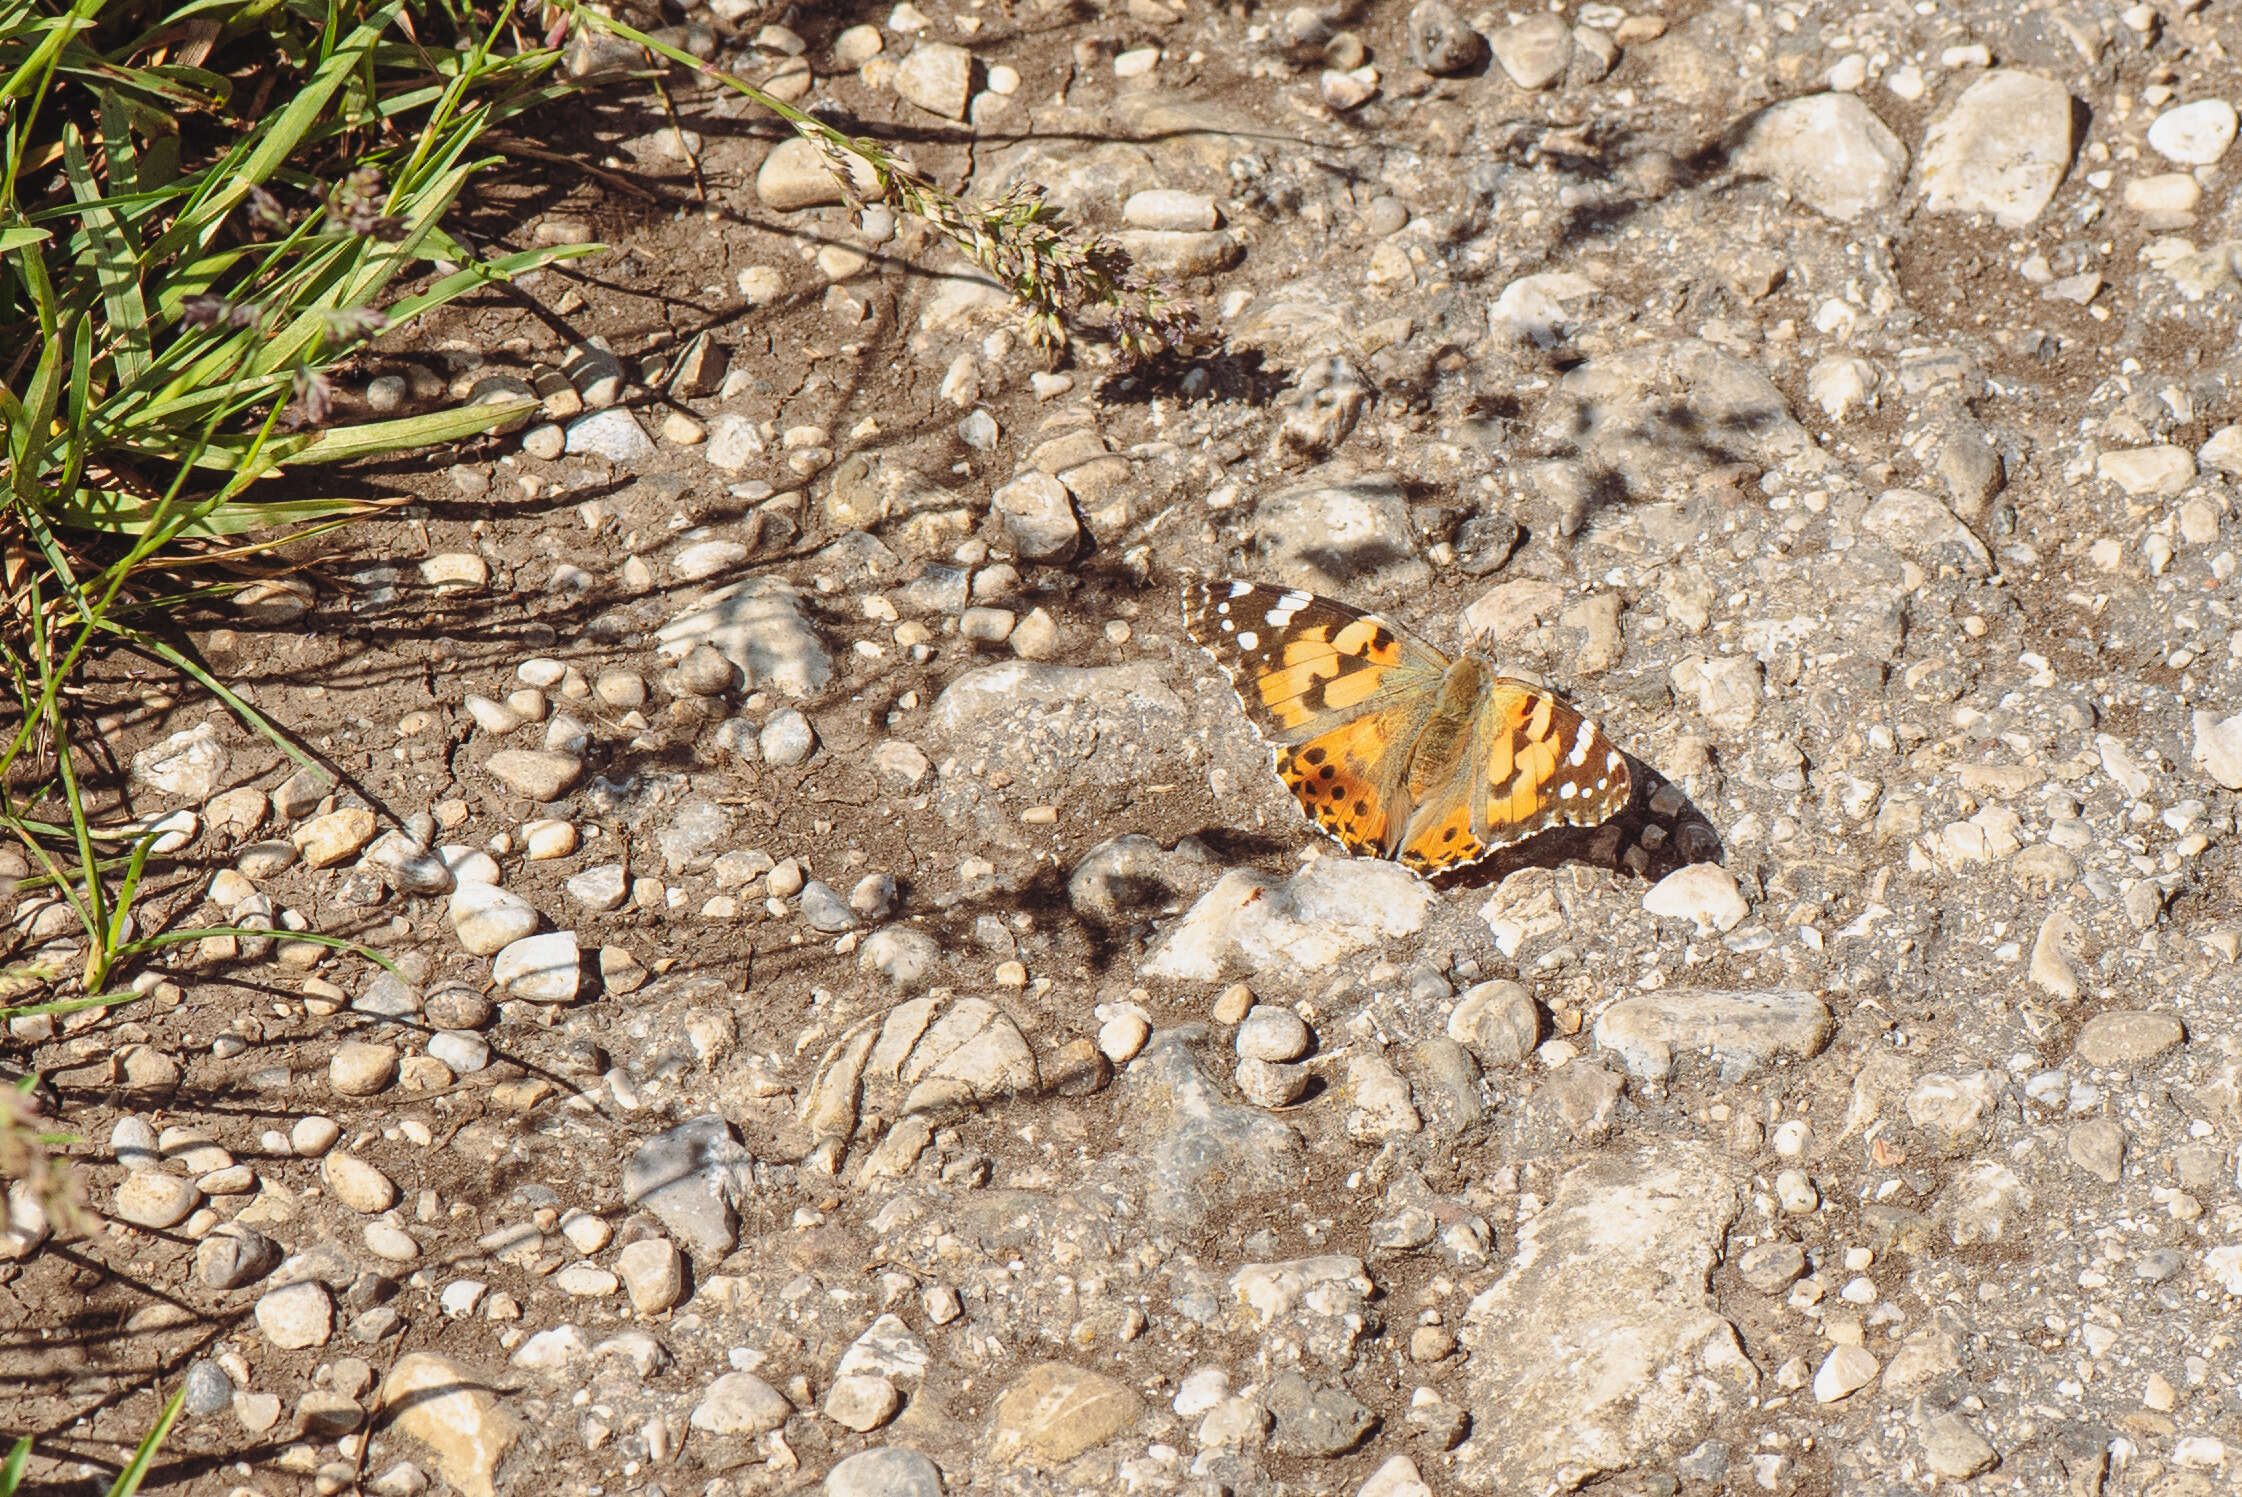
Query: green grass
180, 268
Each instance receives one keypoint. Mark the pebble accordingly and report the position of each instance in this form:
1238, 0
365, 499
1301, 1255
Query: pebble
234, 1255
824, 910
543, 969
328, 840
297, 1316
2196, 134
488, 919
786, 739
1953, 1448
2129, 1040
1441, 41
1705, 894
705, 559
132, 1143
463, 1052
156, 1201
740, 1404
545, 840
1170, 209
1272, 1033
1038, 517
653, 1274
614, 435
1272, 1084
884, 1471
706, 673
358, 1184
1054, 1411
461, 570
862, 1403
2160, 470
1828, 150
538, 775
1497, 1021
1534, 52
938, 78
314, 1135
1035, 637
361, 1070
989, 626
603, 887
1844, 1372
391, 1243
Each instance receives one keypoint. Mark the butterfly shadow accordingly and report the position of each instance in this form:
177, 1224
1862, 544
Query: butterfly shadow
1658, 831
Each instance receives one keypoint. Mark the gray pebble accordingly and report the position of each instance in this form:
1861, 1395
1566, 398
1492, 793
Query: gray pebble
463, 1050
706, 673
885, 1471
208, 1390
787, 738
824, 909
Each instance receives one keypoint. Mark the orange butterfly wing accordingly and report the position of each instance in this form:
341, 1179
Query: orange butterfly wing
1340, 695
1534, 763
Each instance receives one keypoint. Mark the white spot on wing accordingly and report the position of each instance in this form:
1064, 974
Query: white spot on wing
1249, 641
1611, 761
1579, 755
1567, 790
1240, 589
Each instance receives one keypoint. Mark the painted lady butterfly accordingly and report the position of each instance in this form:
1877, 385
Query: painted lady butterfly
1392, 748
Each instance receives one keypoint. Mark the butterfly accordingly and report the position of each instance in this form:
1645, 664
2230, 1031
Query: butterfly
1392, 748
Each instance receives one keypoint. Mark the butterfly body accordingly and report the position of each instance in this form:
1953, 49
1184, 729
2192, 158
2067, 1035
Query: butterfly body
1392, 748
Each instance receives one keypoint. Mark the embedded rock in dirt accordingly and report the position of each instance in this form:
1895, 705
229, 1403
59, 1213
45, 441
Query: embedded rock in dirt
1828, 150
1341, 534
1589, 1385
191, 765
1742, 1031
1653, 417
1132, 877
757, 625
457, 1414
1202, 1151
1329, 910
2001, 148
1054, 1412
693, 1178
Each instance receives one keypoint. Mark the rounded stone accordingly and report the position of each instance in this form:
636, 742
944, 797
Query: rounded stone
315, 1135
361, 1070
2128, 1039
787, 738
1267, 1083
888, 1471
740, 1403
297, 1316
391, 1243
488, 919
535, 774
2196, 134
653, 1274
464, 1051
542, 969
861, 1402
153, 1200
358, 1183
208, 1389
1273, 1033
